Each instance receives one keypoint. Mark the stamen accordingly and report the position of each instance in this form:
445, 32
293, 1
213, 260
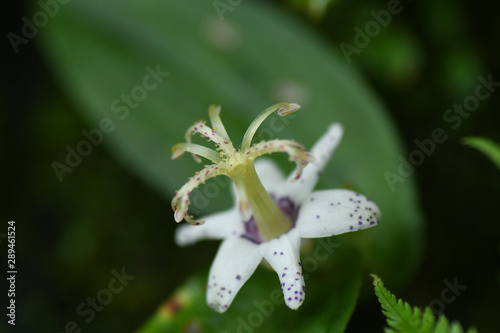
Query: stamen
283, 110
214, 112
199, 127
210, 154
245, 210
297, 152
181, 202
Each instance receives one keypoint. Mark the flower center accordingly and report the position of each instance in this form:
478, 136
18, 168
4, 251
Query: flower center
256, 202
270, 220
287, 207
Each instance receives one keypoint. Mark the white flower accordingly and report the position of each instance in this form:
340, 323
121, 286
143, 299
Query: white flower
267, 221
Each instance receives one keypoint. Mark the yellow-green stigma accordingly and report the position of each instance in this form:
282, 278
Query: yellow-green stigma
254, 200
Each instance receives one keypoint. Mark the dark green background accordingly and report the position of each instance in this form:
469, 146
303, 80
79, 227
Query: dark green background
426, 60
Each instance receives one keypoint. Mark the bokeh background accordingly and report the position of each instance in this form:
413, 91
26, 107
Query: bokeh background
103, 216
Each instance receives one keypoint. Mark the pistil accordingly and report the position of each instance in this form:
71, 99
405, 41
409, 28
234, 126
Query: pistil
256, 201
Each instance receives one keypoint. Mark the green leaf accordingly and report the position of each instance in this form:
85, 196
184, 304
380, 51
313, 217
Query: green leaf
400, 315
486, 146
315, 9
337, 296
402, 318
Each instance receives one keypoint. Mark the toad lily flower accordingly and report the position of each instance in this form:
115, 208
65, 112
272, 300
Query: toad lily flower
270, 217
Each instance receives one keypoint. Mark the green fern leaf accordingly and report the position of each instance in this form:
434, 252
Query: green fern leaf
403, 318
400, 315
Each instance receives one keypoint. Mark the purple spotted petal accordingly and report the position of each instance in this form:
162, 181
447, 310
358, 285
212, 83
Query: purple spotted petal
332, 212
217, 226
283, 255
234, 263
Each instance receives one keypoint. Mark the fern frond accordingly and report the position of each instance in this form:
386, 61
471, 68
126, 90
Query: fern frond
403, 318
400, 315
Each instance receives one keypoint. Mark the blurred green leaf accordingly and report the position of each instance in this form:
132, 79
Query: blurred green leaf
314, 8
104, 54
338, 296
486, 146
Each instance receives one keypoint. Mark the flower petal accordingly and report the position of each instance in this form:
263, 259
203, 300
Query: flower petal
322, 151
219, 226
234, 263
269, 174
332, 212
283, 255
